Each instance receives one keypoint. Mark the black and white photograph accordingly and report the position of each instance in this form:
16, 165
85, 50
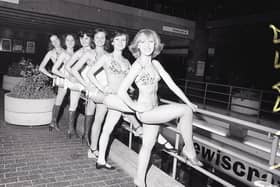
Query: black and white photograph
127, 93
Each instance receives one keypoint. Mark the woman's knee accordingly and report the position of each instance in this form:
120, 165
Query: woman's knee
73, 105
187, 110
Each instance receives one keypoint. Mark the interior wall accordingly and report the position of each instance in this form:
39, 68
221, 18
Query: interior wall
41, 46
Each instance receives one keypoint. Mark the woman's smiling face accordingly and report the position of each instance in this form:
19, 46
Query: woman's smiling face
85, 40
55, 41
119, 42
99, 39
146, 45
69, 41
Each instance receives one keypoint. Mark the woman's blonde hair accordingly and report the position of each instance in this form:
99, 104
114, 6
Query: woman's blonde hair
133, 47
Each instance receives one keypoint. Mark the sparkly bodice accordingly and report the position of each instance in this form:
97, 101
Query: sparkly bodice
147, 76
115, 68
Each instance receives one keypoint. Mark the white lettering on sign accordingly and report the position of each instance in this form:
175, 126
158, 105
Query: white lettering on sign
232, 166
11, 1
175, 30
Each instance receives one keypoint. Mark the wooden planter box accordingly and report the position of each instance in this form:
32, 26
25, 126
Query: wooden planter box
30, 112
9, 82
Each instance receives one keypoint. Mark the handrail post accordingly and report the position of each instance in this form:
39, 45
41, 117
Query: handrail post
273, 153
175, 160
229, 99
205, 93
259, 109
186, 87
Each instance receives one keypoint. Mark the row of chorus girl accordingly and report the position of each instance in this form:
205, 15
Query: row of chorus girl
107, 78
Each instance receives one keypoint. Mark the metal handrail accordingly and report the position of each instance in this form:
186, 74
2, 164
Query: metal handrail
233, 120
270, 131
208, 93
177, 157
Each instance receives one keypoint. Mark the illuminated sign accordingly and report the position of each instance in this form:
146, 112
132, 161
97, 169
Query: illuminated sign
276, 86
232, 166
11, 1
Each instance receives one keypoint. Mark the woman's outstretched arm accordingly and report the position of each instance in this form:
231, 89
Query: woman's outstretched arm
43, 64
127, 83
172, 85
79, 65
57, 65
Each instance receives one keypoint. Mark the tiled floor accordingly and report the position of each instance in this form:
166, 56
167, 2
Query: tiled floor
32, 156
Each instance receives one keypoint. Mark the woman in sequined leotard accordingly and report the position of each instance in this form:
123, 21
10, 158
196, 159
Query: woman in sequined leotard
88, 60
146, 72
52, 56
116, 68
62, 76
74, 84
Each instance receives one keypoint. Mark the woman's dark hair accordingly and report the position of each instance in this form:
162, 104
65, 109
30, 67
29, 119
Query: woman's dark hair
50, 46
106, 44
117, 33
82, 33
63, 43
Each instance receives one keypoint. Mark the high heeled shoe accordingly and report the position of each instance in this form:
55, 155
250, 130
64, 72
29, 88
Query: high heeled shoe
55, 127
104, 166
93, 153
192, 160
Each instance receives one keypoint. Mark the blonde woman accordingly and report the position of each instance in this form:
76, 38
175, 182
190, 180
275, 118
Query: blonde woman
145, 73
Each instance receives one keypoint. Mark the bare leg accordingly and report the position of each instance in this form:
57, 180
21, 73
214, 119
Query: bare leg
149, 138
60, 95
165, 113
112, 118
115, 103
74, 100
135, 123
100, 114
90, 108
88, 120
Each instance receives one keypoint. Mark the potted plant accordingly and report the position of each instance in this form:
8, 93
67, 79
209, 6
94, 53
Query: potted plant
30, 102
15, 73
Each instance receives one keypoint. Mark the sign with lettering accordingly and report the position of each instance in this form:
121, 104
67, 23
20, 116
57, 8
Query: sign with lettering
232, 166
175, 30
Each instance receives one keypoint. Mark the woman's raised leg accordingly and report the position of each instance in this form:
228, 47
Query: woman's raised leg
114, 102
165, 113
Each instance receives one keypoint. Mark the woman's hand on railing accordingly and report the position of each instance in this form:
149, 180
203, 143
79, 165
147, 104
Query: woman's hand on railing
193, 107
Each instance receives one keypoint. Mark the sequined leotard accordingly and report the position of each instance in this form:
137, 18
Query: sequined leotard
147, 83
